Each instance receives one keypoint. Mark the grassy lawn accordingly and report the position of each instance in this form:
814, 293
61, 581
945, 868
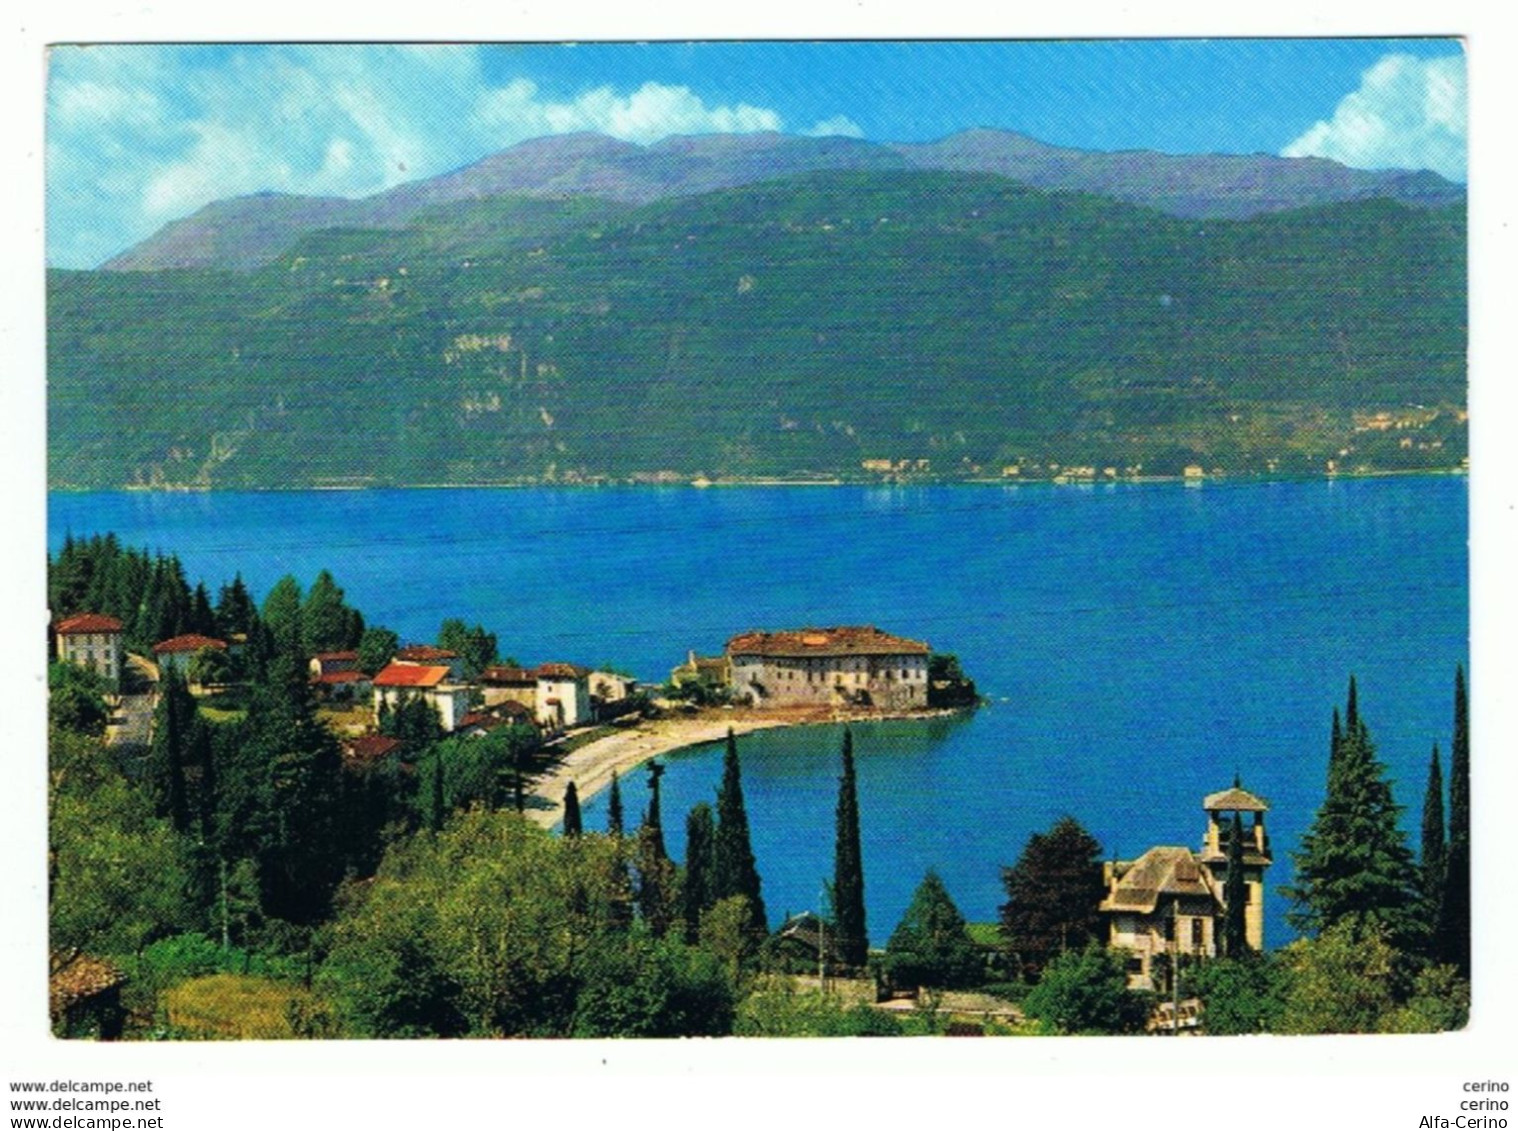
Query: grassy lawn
235, 1007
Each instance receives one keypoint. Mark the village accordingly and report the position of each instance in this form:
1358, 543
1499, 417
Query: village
590, 726
587, 723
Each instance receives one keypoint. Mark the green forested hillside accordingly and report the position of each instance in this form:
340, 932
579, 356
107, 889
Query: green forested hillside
795, 327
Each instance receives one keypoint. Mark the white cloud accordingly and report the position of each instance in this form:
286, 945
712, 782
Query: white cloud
836, 126
653, 111
1407, 114
141, 135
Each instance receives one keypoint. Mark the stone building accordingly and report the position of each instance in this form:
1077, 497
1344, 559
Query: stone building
93, 641
1169, 903
850, 665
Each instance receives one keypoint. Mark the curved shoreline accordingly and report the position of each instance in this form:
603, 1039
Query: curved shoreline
591, 766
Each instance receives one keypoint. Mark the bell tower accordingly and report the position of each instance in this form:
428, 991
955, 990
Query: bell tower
1220, 808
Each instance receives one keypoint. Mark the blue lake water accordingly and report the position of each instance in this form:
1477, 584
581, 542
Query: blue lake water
1139, 644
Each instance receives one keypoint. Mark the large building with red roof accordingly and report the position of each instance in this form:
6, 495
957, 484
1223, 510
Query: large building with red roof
93, 641
398, 681
848, 665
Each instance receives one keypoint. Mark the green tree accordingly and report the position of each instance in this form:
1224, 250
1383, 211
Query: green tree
1431, 855
654, 988
1452, 935
281, 615
1086, 992
1053, 892
1339, 982
733, 870
76, 699
614, 824
658, 882
375, 647
931, 946
234, 610
1235, 892
174, 717
327, 624
475, 647
848, 866
1239, 995
696, 891
522, 924
1354, 865
118, 876
572, 823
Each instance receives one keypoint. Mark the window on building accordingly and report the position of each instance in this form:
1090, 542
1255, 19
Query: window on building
1196, 934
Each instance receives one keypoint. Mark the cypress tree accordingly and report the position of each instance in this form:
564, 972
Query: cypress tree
700, 844
614, 807
652, 820
173, 720
1453, 934
1235, 893
572, 825
848, 866
1432, 848
734, 872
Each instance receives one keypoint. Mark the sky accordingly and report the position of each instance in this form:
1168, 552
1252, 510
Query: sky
140, 135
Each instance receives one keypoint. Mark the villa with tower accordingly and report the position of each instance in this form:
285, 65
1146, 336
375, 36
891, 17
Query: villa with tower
1171, 901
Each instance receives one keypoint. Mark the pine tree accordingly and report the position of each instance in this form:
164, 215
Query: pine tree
1235, 893
1452, 939
848, 866
1431, 857
572, 826
614, 807
931, 946
697, 892
734, 872
1354, 864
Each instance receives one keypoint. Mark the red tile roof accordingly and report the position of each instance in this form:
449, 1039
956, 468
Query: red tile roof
87, 622
561, 671
341, 677
843, 640
335, 657
499, 674
189, 642
424, 654
371, 747
411, 675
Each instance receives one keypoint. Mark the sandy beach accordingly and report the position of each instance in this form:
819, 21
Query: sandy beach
591, 766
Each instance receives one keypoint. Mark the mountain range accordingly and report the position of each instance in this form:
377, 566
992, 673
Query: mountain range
250, 231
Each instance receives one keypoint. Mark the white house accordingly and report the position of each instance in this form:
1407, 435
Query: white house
563, 698
397, 682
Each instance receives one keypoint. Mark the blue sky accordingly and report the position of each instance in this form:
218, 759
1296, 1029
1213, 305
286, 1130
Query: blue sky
138, 136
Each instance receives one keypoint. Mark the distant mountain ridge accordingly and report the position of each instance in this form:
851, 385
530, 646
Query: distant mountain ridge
828, 324
247, 232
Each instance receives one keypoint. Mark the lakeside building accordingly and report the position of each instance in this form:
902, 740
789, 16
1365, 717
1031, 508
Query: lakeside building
1170, 901
177, 651
716, 671
398, 681
335, 675
500, 684
848, 665
563, 699
92, 641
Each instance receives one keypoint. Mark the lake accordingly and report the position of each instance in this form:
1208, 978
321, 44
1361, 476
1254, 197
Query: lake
1138, 644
